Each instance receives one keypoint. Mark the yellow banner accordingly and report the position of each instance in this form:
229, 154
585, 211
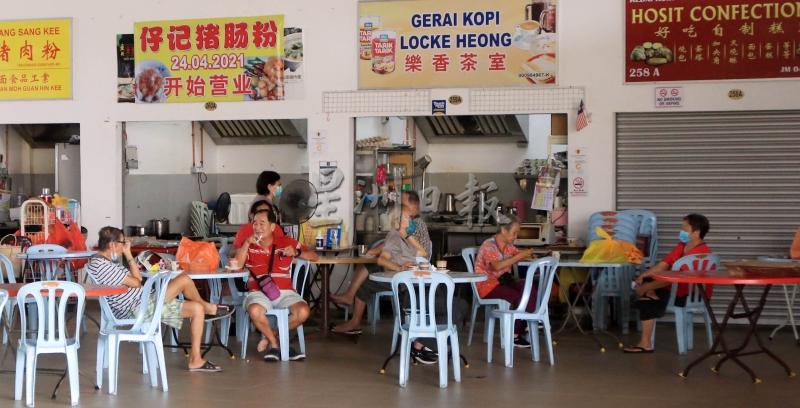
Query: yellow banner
452, 43
200, 60
36, 59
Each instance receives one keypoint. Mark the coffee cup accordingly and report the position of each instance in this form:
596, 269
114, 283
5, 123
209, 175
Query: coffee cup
528, 29
441, 264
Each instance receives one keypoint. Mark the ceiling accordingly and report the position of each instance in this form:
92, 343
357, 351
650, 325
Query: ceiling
48, 135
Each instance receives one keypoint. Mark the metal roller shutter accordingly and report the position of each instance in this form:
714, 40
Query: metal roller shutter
740, 169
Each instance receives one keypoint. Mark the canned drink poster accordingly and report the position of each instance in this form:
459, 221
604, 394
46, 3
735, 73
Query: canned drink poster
384, 51
367, 25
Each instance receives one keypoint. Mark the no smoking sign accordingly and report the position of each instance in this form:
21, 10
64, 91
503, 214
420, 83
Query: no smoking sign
669, 97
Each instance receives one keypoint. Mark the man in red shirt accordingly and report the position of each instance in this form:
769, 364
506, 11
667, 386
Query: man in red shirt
266, 253
246, 230
654, 295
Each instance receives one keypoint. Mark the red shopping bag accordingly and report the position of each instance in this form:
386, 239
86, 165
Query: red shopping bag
197, 256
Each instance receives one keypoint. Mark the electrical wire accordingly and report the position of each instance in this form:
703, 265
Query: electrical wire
202, 178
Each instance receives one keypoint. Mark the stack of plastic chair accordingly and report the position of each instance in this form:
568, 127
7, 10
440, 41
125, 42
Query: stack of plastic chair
695, 304
421, 322
469, 255
300, 273
199, 219
545, 270
145, 330
613, 282
52, 336
648, 230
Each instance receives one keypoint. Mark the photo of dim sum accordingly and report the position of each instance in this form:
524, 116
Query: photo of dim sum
149, 82
652, 53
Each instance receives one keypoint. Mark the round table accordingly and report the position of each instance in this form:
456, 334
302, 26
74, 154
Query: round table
739, 275
56, 256
458, 277
325, 269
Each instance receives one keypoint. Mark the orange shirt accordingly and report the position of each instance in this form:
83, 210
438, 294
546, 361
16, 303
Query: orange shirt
490, 252
794, 252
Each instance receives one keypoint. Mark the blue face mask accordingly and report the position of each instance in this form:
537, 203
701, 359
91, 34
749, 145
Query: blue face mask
412, 227
278, 191
114, 257
684, 237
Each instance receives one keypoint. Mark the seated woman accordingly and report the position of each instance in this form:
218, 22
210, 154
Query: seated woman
265, 253
654, 295
104, 269
495, 258
399, 253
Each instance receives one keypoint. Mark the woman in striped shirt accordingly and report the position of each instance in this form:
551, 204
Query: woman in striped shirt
104, 269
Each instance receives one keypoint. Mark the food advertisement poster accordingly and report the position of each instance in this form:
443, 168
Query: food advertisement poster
200, 60
452, 43
36, 59
686, 40
125, 68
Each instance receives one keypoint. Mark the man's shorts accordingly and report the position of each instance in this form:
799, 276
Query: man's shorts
284, 301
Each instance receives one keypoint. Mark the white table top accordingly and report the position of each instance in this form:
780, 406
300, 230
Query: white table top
458, 277
220, 274
56, 255
576, 264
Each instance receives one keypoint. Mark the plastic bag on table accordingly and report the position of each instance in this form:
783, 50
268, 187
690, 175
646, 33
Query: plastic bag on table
197, 256
77, 243
610, 250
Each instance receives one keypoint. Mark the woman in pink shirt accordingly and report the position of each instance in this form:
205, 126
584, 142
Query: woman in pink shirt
495, 258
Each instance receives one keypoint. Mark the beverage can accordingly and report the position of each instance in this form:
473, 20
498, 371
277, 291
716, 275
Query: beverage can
366, 26
384, 50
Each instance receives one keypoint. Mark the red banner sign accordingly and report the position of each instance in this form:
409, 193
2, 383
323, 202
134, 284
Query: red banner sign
687, 40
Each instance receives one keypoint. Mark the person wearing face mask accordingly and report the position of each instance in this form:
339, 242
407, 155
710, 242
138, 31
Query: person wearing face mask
495, 258
269, 188
654, 295
104, 269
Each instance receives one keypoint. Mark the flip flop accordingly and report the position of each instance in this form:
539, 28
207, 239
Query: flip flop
207, 367
637, 350
353, 332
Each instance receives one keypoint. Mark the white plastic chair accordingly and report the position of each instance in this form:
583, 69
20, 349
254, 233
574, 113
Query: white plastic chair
43, 265
282, 315
469, 255
145, 330
684, 322
545, 270
789, 295
52, 334
7, 276
3, 302
422, 321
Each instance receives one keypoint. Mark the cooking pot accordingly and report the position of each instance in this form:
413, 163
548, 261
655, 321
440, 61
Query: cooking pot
135, 231
159, 228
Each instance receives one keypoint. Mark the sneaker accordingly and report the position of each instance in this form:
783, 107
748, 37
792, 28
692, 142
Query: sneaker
424, 356
273, 355
521, 342
295, 356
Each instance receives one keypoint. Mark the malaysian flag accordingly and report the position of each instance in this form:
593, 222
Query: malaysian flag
582, 121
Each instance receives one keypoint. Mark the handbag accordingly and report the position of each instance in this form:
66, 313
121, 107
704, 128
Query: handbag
268, 286
506, 279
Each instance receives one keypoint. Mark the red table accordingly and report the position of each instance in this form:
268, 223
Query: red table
738, 274
92, 291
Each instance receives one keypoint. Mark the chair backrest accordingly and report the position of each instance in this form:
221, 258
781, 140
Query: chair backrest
47, 267
107, 314
155, 289
469, 255
46, 295
430, 249
301, 269
421, 289
6, 270
224, 250
545, 270
3, 300
619, 225
699, 262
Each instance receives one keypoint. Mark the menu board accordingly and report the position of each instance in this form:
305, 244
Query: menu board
36, 59
200, 60
452, 43
686, 40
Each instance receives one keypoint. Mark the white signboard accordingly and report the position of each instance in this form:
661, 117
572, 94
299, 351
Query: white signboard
577, 172
669, 97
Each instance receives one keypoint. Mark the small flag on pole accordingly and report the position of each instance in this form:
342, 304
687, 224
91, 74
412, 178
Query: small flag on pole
582, 121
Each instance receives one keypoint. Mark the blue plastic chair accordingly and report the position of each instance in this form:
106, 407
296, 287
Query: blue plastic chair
648, 228
44, 266
300, 274
545, 270
421, 321
469, 255
3, 303
145, 330
52, 336
695, 303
